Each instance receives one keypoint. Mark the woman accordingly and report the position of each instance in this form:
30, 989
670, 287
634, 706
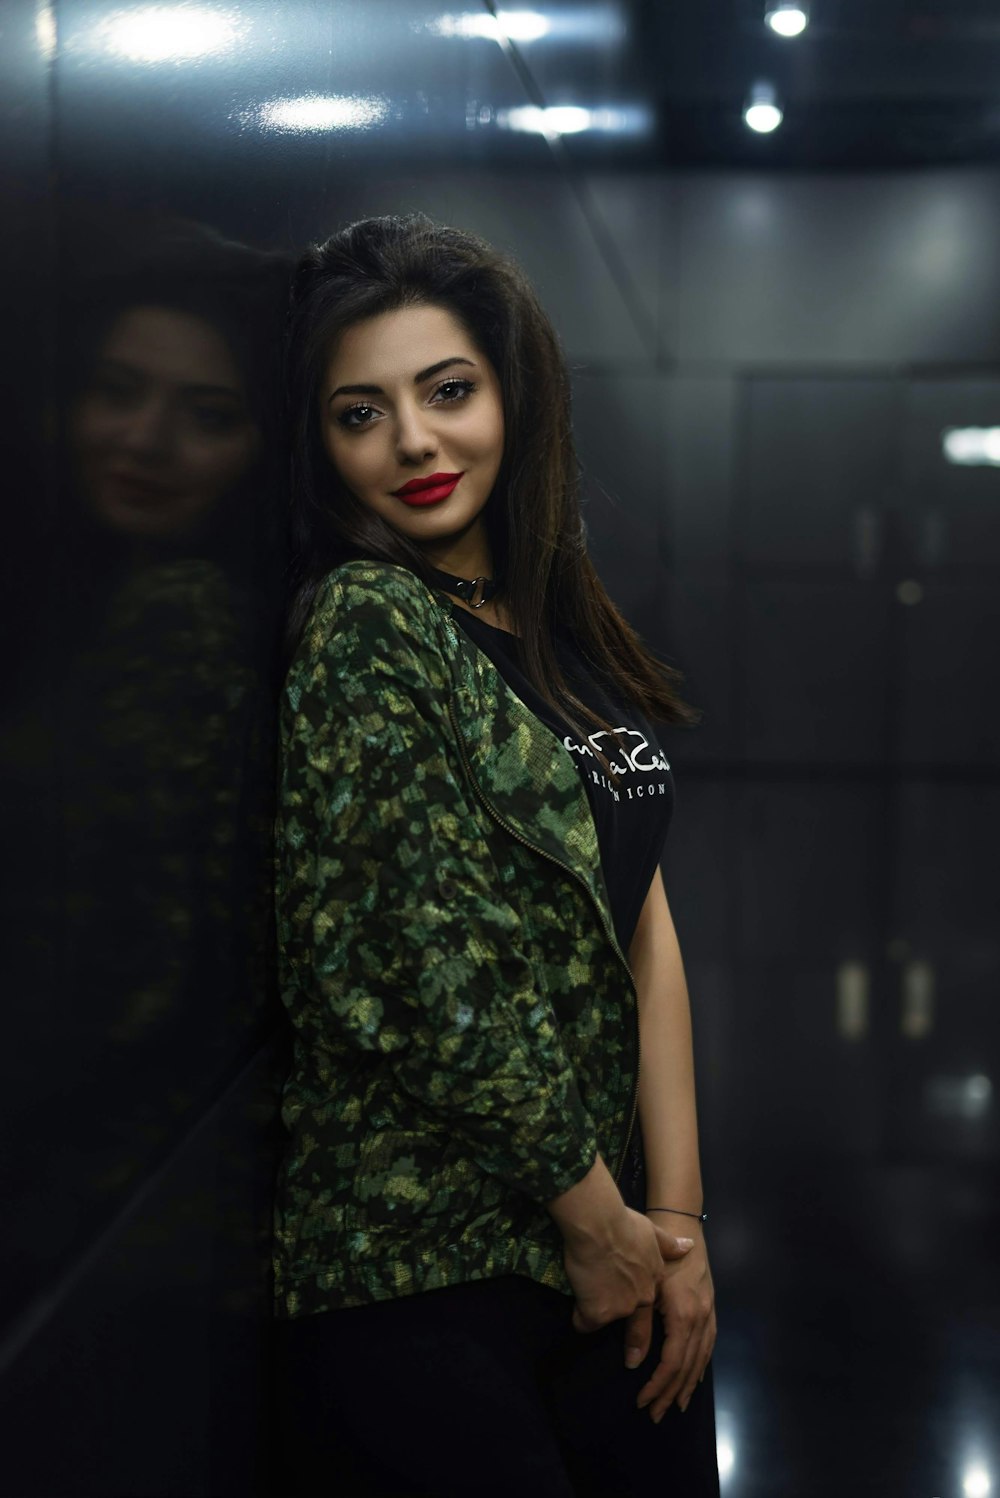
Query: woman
471, 813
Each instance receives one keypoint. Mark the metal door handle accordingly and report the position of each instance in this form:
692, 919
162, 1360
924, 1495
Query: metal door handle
916, 1017
853, 989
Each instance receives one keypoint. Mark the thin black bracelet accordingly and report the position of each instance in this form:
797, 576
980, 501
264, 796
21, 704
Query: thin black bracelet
701, 1216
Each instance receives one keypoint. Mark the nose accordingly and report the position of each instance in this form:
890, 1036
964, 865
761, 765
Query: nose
415, 438
145, 433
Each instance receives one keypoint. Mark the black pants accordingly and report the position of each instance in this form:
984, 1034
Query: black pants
480, 1389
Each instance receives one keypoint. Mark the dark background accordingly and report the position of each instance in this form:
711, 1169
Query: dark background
768, 335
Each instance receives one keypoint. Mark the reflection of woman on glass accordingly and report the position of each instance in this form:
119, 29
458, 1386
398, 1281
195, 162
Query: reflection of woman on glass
171, 402
171, 388
472, 811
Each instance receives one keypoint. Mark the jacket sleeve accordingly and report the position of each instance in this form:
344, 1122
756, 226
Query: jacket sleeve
414, 952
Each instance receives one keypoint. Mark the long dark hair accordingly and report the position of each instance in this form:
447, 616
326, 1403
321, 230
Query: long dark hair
533, 516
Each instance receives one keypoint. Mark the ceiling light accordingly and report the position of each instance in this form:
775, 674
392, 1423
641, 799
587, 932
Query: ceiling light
575, 25
976, 1482
972, 447
570, 119
506, 25
522, 25
46, 31
168, 33
761, 112
563, 119
787, 19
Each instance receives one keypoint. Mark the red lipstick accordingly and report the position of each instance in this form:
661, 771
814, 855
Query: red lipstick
428, 491
137, 487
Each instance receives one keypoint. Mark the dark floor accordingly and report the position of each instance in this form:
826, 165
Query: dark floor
859, 1343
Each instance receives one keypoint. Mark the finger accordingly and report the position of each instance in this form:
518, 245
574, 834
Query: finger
665, 1384
697, 1352
666, 1381
669, 1246
638, 1336
696, 1372
688, 1376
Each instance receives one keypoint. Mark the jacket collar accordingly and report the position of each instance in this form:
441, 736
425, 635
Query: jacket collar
521, 769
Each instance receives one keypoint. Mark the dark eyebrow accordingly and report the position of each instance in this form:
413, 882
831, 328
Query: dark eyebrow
202, 390
122, 366
418, 379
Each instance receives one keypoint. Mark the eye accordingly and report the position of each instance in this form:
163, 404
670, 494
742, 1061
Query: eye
115, 389
215, 418
353, 418
454, 390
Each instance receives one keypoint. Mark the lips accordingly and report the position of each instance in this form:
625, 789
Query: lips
136, 489
428, 491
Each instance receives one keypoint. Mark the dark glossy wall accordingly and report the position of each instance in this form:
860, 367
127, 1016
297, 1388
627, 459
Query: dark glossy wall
762, 365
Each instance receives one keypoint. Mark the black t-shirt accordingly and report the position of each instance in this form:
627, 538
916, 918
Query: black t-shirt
631, 801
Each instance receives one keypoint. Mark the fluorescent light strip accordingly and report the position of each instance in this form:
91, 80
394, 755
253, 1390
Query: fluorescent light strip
972, 447
571, 119
506, 25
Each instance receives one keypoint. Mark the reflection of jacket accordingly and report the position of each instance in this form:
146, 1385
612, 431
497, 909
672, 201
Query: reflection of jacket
465, 1033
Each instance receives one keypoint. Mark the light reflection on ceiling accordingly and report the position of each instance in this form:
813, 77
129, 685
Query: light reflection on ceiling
314, 112
586, 25
628, 83
168, 33
571, 119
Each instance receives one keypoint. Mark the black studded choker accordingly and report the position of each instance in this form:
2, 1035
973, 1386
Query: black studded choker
475, 591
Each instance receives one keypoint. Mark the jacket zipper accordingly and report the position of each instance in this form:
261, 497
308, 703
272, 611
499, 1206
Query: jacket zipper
513, 832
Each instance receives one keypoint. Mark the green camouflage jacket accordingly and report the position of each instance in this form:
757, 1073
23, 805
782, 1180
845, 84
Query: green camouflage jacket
465, 1031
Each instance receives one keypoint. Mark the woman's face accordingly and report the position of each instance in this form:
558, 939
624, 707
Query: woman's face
407, 397
162, 431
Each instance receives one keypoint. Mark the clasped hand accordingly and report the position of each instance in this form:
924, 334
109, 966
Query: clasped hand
648, 1269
